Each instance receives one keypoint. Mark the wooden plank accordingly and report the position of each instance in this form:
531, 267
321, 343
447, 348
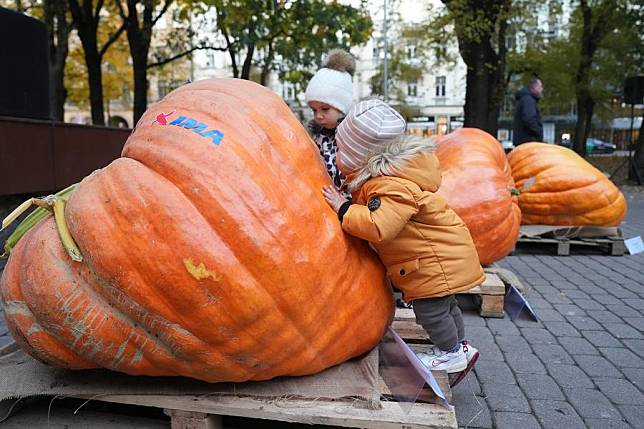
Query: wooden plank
404, 314
493, 285
410, 331
492, 306
323, 412
426, 395
613, 246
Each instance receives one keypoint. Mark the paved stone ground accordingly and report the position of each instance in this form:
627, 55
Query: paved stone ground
582, 364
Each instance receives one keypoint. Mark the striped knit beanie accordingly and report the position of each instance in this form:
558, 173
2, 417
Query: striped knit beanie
367, 127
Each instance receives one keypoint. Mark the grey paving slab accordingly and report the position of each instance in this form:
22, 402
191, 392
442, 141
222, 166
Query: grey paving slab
570, 376
540, 386
569, 310
620, 391
622, 357
513, 343
514, 420
471, 410
607, 424
605, 316
596, 366
601, 339
591, 289
494, 372
579, 346
634, 414
623, 330
584, 323
635, 376
538, 336
489, 351
636, 303
637, 323
562, 329
637, 346
557, 415
550, 315
503, 327
623, 293
501, 397
590, 403
623, 311
552, 354
524, 363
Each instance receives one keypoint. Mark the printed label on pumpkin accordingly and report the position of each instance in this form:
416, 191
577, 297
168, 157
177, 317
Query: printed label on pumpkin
190, 124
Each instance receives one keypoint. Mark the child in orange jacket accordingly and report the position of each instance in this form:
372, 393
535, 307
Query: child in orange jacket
426, 247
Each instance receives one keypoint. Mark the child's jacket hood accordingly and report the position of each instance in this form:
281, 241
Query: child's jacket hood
411, 159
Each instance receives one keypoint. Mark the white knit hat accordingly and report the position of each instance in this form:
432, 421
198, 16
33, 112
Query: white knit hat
332, 83
368, 125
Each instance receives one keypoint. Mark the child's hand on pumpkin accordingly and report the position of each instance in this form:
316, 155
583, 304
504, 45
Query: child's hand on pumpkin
333, 197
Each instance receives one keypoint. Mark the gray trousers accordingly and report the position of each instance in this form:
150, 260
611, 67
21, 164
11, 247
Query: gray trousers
442, 319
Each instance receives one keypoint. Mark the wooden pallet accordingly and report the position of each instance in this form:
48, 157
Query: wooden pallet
566, 240
489, 297
207, 411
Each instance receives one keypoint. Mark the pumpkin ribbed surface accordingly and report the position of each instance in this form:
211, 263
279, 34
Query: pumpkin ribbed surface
204, 256
558, 187
477, 185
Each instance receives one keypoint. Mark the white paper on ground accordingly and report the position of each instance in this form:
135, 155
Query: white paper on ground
634, 245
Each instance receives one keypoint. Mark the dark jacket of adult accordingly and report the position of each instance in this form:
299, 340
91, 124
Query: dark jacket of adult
527, 118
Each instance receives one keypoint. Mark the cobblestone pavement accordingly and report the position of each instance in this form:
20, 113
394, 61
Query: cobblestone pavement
580, 366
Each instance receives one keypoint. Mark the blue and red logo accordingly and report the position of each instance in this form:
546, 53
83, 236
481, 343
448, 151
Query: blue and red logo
191, 124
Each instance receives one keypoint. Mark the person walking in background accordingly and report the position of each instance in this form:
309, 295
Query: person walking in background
527, 117
329, 94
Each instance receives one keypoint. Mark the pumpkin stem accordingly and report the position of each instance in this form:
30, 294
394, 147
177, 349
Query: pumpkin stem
63, 232
45, 207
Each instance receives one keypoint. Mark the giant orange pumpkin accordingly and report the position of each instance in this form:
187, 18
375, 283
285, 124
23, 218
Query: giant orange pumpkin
208, 252
558, 187
477, 185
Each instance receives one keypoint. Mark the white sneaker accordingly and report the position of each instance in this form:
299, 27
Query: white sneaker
450, 362
471, 353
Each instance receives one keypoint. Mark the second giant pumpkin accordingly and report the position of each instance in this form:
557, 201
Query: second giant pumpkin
208, 252
478, 185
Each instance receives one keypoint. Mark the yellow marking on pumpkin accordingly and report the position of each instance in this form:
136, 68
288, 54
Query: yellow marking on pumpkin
200, 272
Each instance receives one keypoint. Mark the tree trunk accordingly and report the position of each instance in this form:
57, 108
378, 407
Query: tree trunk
59, 28
86, 24
593, 31
139, 36
95, 77
266, 66
139, 65
248, 62
636, 172
485, 83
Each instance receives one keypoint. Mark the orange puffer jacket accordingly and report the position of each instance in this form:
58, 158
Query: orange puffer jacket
426, 247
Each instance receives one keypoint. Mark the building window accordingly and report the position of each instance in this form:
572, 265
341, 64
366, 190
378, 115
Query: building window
411, 52
210, 60
412, 89
288, 91
440, 86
